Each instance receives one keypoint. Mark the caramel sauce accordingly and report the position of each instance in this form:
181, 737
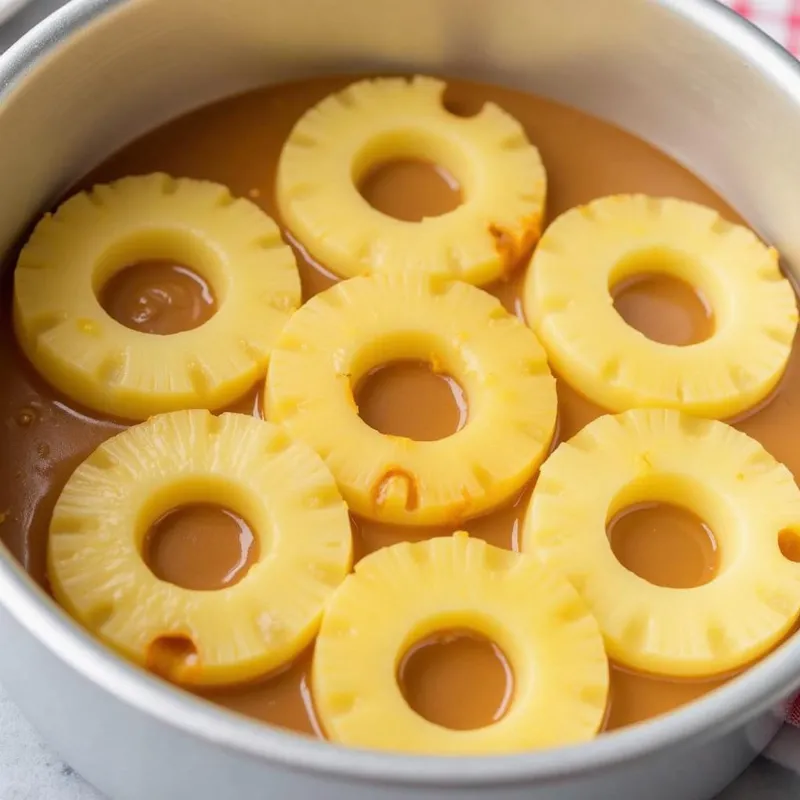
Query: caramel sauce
388, 186
434, 405
664, 309
158, 297
171, 657
436, 685
237, 142
201, 547
634, 697
664, 544
282, 699
789, 544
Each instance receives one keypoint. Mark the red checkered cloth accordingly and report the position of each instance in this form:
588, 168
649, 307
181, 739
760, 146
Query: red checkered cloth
781, 20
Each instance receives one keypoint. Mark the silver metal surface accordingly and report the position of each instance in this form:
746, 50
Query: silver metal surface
685, 74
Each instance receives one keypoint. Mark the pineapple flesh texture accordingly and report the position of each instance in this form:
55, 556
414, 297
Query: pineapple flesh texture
590, 249
105, 366
405, 593
338, 336
372, 122
280, 487
722, 475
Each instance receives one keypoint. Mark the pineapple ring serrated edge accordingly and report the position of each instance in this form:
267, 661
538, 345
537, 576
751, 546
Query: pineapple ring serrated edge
593, 364
392, 495
551, 642
625, 604
104, 223
370, 117
288, 554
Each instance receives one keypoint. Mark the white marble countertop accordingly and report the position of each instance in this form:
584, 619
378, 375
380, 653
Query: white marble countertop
30, 770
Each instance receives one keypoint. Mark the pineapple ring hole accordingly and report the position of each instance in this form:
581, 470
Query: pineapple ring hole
458, 679
171, 656
411, 399
410, 189
665, 308
664, 544
789, 544
201, 547
158, 296
411, 175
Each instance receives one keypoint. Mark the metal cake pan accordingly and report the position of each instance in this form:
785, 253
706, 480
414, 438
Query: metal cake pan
687, 75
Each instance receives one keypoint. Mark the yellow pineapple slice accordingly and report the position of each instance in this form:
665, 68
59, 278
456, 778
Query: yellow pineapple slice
338, 142
588, 250
340, 335
405, 593
280, 487
722, 475
110, 368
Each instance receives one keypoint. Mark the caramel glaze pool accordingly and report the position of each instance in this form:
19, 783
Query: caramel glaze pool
237, 142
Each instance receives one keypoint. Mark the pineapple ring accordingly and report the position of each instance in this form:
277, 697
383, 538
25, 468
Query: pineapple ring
240, 632
405, 593
588, 250
338, 142
710, 468
340, 335
115, 370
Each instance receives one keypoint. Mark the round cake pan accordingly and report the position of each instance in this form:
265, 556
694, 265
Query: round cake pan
687, 75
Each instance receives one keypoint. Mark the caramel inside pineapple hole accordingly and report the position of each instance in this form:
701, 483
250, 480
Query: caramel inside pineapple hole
410, 399
662, 528
201, 546
410, 189
458, 679
652, 296
158, 296
664, 544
